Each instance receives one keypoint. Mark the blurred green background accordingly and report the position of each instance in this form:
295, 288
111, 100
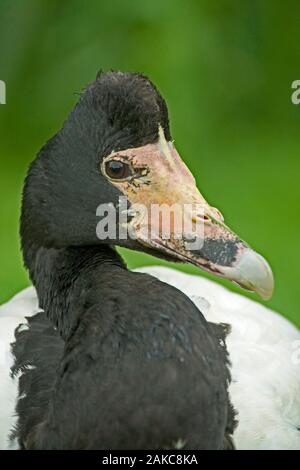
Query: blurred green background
226, 70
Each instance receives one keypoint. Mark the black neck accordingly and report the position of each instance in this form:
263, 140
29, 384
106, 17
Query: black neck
62, 276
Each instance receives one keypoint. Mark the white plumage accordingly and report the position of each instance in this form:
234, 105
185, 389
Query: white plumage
264, 351
12, 314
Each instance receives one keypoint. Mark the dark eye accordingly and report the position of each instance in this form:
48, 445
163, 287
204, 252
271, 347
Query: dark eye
116, 169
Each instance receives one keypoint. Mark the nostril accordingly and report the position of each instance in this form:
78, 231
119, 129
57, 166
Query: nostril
203, 217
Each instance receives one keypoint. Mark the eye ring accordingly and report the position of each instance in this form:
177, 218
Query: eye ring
117, 169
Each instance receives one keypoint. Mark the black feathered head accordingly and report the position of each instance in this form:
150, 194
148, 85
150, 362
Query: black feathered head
117, 143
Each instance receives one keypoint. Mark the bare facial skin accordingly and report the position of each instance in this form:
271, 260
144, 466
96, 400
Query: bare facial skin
155, 175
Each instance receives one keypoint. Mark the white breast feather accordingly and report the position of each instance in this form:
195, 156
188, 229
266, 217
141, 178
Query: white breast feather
11, 315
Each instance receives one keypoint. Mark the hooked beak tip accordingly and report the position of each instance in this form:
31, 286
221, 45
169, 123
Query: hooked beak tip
253, 273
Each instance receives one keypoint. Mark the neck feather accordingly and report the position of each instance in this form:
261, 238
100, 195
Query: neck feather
62, 276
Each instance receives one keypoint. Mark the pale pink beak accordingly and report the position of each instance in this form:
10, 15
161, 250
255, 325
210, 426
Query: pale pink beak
160, 178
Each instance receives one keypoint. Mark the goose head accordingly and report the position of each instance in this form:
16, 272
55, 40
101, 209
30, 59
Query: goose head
112, 175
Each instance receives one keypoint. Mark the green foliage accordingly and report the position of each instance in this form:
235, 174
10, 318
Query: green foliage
224, 67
